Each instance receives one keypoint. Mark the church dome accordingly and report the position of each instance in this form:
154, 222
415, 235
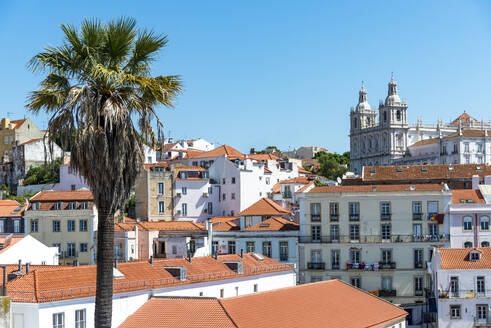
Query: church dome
392, 100
364, 106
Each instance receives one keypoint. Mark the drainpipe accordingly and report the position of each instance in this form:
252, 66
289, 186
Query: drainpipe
210, 236
476, 231
4, 286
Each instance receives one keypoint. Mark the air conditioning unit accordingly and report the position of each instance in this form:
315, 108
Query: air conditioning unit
205, 194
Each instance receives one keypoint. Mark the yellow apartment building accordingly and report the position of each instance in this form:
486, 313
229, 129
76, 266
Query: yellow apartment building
154, 193
16, 132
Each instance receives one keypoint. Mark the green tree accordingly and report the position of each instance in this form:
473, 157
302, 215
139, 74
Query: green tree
99, 92
46, 173
333, 165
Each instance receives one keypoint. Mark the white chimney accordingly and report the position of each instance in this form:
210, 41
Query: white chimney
475, 182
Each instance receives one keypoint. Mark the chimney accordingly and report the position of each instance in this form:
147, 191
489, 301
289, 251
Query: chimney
20, 266
475, 182
487, 180
27, 267
242, 253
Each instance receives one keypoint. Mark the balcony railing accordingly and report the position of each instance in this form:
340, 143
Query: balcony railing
315, 217
374, 239
334, 217
287, 194
418, 264
370, 266
465, 293
316, 265
417, 216
385, 216
418, 293
354, 217
482, 322
335, 266
283, 258
387, 293
68, 254
387, 265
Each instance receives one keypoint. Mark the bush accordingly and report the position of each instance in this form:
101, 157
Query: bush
46, 173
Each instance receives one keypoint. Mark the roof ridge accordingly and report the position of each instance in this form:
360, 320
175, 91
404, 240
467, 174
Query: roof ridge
226, 312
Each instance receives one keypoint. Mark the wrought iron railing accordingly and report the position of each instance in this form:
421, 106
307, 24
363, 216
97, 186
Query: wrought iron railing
374, 239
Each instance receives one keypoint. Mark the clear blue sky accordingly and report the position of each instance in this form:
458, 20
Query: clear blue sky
285, 73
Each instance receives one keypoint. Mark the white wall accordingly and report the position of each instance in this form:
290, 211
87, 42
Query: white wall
69, 178
29, 250
458, 236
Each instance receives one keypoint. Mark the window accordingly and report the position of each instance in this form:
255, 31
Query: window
57, 206
334, 211
454, 286
255, 288
59, 320
479, 148
210, 208
184, 190
354, 211
356, 282
315, 211
283, 251
71, 225
385, 211
468, 244
71, 250
224, 196
36, 206
184, 207
117, 252
72, 205
83, 225
316, 256
233, 180
485, 244
84, 205
58, 245
316, 233
56, 225
334, 232
210, 190
16, 226
84, 247
354, 232
34, 225
161, 207
354, 255
236, 290
418, 258
482, 312
454, 311
433, 229
481, 285
418, 286
335, 259
387, 283
222, 293
467, 223
231, 246
386, 231
267, 180
223, 181
267, 248
466, 147
248, 221
386, 256
250, 246
72, 187
484, 222
80, 319
417, 231
232, 195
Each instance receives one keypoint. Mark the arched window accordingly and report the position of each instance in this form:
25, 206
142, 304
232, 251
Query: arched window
354, 123
484, 222
399, 141
467, 223
468, 244
370, 143
485, 244
385, 116
398, 115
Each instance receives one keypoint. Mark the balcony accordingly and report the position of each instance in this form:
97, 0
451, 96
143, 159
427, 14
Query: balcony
374, 239
283, 258
315, 217
418, 293
465, 293
370, 266
483, 322
418, 264
386, 265
68, 254
354, 217
417, 216
287, 194
387, 293
334, 217
335, 266
385, 216
316, 265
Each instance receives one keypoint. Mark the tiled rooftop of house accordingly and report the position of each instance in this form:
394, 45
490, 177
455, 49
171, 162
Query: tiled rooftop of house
459, 258
326, 304
31, 141
424, 172
297, 180
74, 282
8, 241
228, 151
378, 188
226, 226
274, 224
265, 207
424, 142
158, 226
50, 195
465, 196
220, 219
11, 208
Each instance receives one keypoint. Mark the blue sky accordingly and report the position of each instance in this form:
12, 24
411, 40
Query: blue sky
285, 73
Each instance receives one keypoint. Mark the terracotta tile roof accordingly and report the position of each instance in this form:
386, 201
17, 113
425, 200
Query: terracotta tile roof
299, 180
17, 123
425, 172
31, 141
379, 188
461, 196
276, 188
304, 187
12, 268
226, 226
75, 282
274, 224
9, 241
163, 164
266, 170
10, 208
424, 142
262, 157
168, 146
465, 119
221, 219
470, 134
158, 226
179, 312
458, 258
220, 151
50, 195
326, 304
303, 171
265, 206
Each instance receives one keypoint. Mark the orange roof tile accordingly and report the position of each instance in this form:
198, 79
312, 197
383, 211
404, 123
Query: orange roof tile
464, 119
262, 157
158, 226
266, 170
378, 188
163, 164
274, 224
31, 141
303, 171
265, 206
10, 208
304, 187
424, 142
75, 282
50, 195
226, 226
220, 151
460, 196
424, 172
276, 188
326, 304
221, 219
458, 258
299, 180
9, 241
17, 123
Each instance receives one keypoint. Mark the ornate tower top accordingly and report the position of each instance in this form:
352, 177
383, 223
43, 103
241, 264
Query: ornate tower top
362, 99
392, 96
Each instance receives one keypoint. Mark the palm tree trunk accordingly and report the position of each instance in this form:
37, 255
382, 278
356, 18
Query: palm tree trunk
105, 256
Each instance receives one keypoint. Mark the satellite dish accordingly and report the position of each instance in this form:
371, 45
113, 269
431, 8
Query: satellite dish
338, 179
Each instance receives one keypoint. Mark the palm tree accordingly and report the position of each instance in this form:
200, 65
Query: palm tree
96, 89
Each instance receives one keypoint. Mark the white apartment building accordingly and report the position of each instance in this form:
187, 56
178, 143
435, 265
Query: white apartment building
173, 149
286, 192
70, 179
375, 237
262, 228
69, 300
470, 215
26, 249
461, 278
